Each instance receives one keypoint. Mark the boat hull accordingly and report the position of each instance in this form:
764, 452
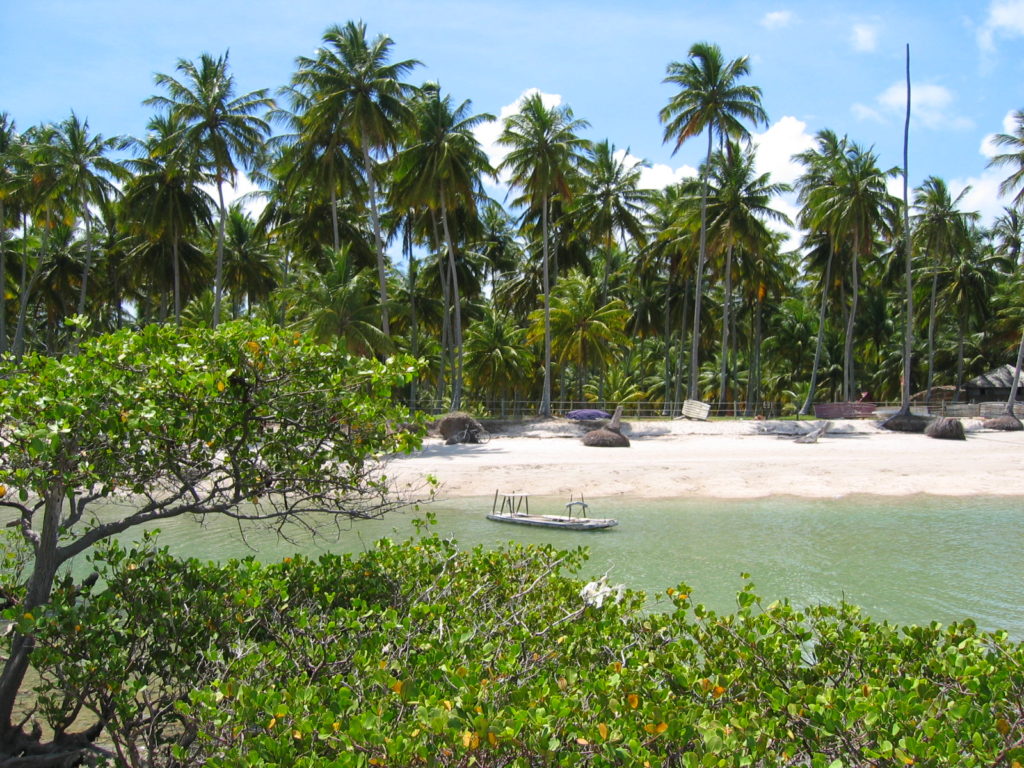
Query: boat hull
556, 521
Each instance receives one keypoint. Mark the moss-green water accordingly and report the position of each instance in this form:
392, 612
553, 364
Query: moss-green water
910, 560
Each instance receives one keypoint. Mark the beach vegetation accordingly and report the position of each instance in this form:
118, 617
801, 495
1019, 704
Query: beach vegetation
257, 423
421, 653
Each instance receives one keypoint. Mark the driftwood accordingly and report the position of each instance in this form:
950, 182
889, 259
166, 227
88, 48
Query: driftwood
946, 428
814, 434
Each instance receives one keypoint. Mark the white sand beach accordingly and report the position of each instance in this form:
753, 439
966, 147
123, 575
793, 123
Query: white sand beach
725, 460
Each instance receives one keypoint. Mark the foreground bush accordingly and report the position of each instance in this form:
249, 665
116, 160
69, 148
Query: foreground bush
420, 654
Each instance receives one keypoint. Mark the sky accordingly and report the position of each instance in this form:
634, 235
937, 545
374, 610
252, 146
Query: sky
819, 64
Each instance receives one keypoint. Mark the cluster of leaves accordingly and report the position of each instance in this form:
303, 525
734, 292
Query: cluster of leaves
202, 420
422, 654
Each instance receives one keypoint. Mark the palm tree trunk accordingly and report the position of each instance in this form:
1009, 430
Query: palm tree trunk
908, 338
334, 219
176, 269
667, 409
806, 409
961, 326
218, 280
701, 257
3, 282
683, 316
457, 342
848, 373
726, 310
545, 397
382, 277
88, 257
931, 335
1012, 400
28, 284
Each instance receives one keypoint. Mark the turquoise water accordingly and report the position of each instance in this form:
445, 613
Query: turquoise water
913, 560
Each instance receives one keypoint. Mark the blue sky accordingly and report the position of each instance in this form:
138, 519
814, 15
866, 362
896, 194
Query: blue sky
820, 64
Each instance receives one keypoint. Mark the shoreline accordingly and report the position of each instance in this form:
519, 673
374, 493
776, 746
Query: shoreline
722, 460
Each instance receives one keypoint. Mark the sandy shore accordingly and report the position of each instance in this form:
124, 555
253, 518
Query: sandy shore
726, 460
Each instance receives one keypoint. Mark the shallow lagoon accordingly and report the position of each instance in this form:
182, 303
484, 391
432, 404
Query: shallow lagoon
907, 560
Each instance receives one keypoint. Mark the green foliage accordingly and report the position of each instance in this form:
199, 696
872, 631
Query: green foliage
418, 653
201, 420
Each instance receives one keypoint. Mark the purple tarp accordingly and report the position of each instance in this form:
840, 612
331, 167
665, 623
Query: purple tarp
584, 414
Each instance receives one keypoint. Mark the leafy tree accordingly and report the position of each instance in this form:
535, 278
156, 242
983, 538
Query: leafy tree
218, 128
544, 154
710, 98
255, 423
422, 653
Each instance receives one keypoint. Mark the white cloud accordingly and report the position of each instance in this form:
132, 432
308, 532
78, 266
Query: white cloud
930, 106
487, 133
1005, 19
988, 145
864, 37
983, 196
243, 191
659, 175
777, 145
655, 177
777, 19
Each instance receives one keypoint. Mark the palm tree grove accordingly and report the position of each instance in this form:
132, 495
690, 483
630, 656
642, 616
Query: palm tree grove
548, 280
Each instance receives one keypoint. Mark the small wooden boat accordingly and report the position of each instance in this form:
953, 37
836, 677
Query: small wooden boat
515, 508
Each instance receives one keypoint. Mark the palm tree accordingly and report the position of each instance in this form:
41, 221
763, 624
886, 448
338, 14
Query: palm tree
585, 328
1014, 158
940, 230
1011, 224
440, 169
820, 165
544, 153
972, 274
86, 177
217, 127
11, 183
738, 201
498, 359
355, 94
611, 201
341, 306
854, 205
250, 268
163, 203
710, 98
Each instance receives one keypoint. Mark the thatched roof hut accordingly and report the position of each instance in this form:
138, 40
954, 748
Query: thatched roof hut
609, 436
994, 385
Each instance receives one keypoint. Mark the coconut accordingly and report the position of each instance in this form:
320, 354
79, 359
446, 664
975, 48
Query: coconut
946, 428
